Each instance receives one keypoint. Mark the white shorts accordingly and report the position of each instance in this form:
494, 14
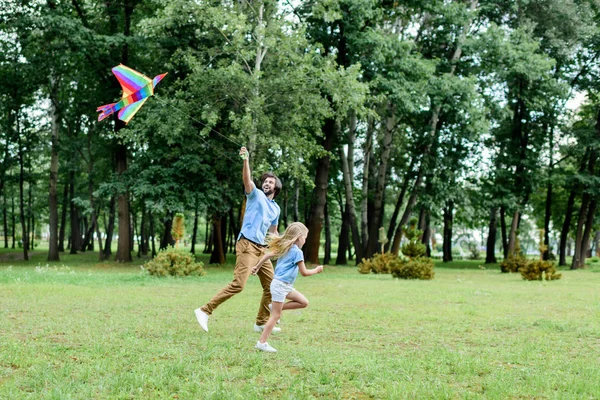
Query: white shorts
279, 290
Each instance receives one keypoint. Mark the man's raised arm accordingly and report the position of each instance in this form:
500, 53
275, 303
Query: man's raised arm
246, 177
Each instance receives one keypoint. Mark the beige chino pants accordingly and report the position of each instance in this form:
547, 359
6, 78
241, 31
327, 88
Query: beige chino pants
247, 255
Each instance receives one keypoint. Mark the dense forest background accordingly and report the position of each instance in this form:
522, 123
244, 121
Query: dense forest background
479, 121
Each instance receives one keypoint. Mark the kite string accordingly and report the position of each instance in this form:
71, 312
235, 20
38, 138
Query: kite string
200, 122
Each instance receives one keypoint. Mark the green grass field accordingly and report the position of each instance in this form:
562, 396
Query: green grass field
87, 330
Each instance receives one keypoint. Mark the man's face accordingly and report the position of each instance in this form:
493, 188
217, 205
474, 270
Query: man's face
268, 186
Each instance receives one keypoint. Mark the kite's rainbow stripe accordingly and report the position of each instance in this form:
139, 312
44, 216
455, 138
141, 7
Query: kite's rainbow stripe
136, 87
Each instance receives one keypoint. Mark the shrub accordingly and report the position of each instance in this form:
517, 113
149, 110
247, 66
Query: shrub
535, 271
378, 264
178, 228
416, 268
474, 251
414, 249
513, 264
174, 262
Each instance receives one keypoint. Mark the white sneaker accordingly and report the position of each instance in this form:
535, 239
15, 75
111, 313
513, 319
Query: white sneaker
265, 347
202, 318
260, 328
271, 310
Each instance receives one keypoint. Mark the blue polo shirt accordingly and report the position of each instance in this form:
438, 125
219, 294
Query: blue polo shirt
260, 214
286, 269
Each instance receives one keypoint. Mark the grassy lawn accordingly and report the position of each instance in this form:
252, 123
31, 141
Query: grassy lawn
88, 330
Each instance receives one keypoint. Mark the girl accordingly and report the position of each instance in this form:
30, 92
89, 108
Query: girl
290, 260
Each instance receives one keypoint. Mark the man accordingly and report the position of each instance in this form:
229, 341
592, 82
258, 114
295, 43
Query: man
261, 217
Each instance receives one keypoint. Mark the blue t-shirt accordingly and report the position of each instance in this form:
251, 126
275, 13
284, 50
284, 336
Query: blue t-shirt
286, 269
260, 214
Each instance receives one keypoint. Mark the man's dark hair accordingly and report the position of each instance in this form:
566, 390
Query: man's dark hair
278, 185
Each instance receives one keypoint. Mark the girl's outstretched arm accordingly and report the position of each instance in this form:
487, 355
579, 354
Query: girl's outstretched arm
308, 272
262, 260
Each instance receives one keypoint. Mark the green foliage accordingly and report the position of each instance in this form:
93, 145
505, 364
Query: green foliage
174, 263
535, 271
416, 268
414, 248
379, 264
513, 264
178, 229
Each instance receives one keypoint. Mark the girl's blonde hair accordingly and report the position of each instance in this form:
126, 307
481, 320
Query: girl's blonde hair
281, 244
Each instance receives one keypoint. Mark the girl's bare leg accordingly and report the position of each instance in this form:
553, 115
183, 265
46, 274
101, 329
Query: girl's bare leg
275, 313
296, 301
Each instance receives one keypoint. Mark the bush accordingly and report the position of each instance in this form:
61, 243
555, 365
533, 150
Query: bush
416, 268
534, 271
414, 249
174, 262
513, 264
474, 251
379, 264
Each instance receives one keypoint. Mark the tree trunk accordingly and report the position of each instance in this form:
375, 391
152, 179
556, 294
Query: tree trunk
110, 228
217, 256
14, 222
547, 217
490, 250
317, 209
548, 213
427, 233
344, 239
296, 199
399, 202
564, 233
24, 233
350, 211
151, 217
133, 233
224, 236
327, 249
142, 248
448, 222
63, 218
512, 238
32, 230
52, 196
407, 212
578, 260
378, 204
585, 244
208, 236
123, 245
195, 231
597, 243
167, 238
364, 210
503, 232
235, 229
88, 239
5, 221
284, 220
74, 217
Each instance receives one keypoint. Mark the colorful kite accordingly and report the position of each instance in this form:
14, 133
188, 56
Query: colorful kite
136, 90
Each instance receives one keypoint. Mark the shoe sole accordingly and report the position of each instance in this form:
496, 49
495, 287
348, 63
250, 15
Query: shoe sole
205, 328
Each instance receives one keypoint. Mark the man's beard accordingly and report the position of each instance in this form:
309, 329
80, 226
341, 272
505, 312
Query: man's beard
267, 192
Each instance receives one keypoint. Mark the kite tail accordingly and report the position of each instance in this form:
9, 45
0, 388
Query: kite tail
106, 111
